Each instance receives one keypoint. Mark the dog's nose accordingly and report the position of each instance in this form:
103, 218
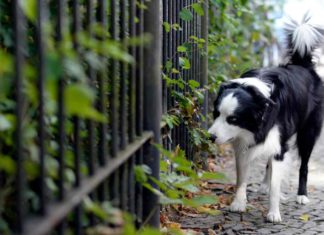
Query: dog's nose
212, 137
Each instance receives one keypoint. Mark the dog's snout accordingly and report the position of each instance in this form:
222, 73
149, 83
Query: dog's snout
212, 137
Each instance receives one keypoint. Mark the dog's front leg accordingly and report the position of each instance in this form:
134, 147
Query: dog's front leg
242, 168
277, 173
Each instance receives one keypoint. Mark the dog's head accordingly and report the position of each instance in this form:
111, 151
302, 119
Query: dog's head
241, 110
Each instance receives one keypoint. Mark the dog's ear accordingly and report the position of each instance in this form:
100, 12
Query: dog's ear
226, 85
259, 97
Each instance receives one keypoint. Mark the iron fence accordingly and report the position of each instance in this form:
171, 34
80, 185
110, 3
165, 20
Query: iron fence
131, 96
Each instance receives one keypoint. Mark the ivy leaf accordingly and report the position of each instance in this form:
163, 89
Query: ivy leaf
198, 9
193, 84
29, 7
167, 27
182, 49
186, 14
168, 65
184, 63
201, 200
79, 101
95, 208
175, 71
7, 164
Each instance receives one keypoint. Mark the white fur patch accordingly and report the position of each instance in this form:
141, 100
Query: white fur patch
305, 36
228, 105
278, 169
302, 199
270, 147
263, 87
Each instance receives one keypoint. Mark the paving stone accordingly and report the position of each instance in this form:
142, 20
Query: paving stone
229, 232
254, 221
264, 231
318, 228
309, 224
309, 233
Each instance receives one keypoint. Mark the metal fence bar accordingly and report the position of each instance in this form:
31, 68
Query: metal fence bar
102, 20
131, 96
76, 122
132, 108
139, 110
59, 210
61, 112
90, 151
204, 60
152, 104
41, 124
19, 41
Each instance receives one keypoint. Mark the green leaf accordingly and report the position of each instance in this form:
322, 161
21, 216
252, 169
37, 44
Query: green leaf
7, 164
212, 176
29, 7
186, 14
168, 65
94, 208
193, 84
79, 101
141, 172
182, 49
198, 9
184, 63
201, 200
176, 27
188, 187
167, 27
6, 62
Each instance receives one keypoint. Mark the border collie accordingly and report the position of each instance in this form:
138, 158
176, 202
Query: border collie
269, 111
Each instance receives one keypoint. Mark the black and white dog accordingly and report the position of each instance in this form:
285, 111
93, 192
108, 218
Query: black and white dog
268, 111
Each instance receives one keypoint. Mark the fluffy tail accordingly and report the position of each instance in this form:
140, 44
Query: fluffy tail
302, 40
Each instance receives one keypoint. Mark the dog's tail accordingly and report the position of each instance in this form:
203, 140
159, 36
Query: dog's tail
302, 39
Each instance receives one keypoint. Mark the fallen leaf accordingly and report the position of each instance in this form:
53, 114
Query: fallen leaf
173, 225
304, 217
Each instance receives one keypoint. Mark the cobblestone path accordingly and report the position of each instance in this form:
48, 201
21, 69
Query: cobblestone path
297, 219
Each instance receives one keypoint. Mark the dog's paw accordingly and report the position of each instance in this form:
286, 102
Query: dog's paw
264, 189
302, 199
274, 217
238, 206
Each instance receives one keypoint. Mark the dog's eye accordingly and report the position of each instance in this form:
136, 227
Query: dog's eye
216, 114
232, 119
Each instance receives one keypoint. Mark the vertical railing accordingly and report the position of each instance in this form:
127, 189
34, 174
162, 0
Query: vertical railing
131, 96
152, 106
198, 28
19, 41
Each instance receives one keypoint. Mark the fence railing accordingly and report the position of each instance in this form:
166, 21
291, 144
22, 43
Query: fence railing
98, 155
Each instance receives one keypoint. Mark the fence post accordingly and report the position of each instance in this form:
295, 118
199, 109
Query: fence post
204, 59
152, 104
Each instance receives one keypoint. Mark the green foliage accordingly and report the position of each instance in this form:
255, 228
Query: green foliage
239, 33
178, 177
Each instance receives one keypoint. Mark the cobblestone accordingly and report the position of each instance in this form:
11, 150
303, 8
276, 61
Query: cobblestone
253, 221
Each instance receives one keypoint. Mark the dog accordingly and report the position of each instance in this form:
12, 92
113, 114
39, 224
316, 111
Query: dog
268, 111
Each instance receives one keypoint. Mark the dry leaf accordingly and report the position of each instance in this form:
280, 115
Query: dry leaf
304, 217
173, 225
